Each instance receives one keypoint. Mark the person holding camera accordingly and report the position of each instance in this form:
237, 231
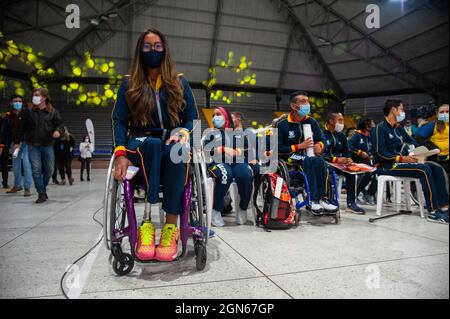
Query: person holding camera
86, 150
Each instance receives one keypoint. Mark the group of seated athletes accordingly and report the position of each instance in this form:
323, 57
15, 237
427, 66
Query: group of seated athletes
155, 112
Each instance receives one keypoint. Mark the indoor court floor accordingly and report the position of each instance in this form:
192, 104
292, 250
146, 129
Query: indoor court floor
401, 257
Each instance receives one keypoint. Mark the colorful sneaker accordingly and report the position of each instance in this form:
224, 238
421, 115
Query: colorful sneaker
145, 248
167, 249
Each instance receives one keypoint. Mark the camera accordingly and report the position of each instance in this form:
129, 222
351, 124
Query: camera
424, 111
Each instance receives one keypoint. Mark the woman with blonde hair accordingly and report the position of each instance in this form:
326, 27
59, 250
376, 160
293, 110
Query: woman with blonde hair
154, 112
40, 126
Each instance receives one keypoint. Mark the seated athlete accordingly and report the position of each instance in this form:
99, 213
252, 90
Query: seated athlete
391, 151
155, 110
361, 151
292, 147
337, 151
226, 149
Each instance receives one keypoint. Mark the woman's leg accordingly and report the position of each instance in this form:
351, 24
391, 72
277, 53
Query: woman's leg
83, 165
243, 176
88, 168
173, 180
223, 176
439, 180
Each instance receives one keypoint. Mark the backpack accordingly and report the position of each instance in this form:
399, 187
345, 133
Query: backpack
278, 209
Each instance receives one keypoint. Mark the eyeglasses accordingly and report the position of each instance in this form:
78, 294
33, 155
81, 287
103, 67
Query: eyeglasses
147, 47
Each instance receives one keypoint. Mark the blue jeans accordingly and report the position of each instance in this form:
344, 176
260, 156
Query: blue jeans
41, 157
22, 159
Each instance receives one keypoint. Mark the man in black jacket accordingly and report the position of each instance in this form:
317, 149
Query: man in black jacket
40, 126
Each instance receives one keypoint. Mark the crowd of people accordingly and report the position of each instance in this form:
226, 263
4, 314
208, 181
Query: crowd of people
40, 146
155, 112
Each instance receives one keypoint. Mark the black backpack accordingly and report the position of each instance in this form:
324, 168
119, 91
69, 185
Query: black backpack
278, 209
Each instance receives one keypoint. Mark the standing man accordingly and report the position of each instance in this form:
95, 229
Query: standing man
8, 129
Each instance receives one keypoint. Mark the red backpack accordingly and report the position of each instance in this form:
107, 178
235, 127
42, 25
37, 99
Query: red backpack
278, 209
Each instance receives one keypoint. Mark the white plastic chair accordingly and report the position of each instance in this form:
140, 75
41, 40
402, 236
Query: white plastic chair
383, 179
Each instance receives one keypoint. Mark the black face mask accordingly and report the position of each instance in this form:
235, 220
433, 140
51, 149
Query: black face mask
152, 59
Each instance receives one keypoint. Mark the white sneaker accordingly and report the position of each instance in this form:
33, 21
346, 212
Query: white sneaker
327, 206
241, 216
216, 219
316, 208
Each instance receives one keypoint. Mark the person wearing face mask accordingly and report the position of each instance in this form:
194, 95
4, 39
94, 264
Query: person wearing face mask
292, 147
230, 162
9, 127
86, 151
155, 113
361, 152
391, 151
436, 135
40, 126
338, 151
408, 127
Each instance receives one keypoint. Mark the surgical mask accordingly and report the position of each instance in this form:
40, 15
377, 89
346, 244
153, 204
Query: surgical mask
17, 106
339, 127
37, 100
218, 121
304, 110
443, 117
153, 59
401, 117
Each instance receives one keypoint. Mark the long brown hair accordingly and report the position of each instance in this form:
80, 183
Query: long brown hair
139, 96
44, 93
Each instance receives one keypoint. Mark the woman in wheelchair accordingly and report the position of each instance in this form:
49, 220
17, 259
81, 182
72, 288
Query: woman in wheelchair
154, 112
230, 161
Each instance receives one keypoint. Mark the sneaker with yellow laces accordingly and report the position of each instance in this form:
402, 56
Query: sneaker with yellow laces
145, 248
167, 249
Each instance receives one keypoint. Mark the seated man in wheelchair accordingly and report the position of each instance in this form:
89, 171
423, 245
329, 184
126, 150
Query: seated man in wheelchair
391, 151
292, 147
154, 113
337, 151
436, 135
229, 151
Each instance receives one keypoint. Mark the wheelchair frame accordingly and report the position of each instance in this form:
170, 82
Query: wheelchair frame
333, 190
119, 204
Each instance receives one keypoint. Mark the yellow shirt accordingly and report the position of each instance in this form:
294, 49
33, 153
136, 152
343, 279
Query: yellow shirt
441, 139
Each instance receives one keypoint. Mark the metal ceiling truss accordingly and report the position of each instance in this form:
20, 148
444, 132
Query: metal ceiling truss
304, 40
95, 35
403, 71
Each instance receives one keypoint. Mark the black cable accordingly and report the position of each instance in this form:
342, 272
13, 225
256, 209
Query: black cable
79, 259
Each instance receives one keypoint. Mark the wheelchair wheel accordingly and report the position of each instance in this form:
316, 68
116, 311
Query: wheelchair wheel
123, 264
199, 215
115, 214
283, 171
200, 255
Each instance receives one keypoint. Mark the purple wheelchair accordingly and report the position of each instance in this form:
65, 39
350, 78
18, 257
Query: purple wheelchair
120, 222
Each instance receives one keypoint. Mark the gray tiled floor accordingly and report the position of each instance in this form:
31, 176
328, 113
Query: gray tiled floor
403, 257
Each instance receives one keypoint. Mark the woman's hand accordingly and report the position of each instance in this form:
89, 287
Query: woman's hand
120, 171
318, 149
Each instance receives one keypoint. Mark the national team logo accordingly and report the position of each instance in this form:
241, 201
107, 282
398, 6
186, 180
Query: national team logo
291, 134
391, 136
